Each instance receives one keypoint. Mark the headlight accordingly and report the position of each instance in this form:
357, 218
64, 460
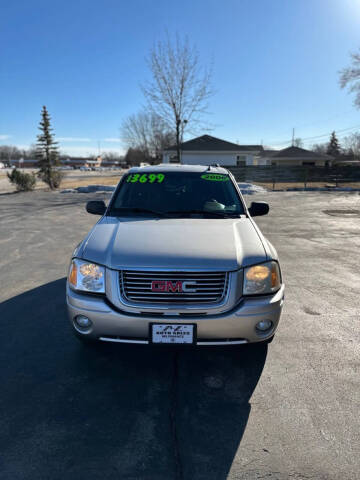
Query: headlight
262, 279
85, 276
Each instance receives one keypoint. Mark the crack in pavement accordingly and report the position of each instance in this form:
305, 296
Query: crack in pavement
173, 409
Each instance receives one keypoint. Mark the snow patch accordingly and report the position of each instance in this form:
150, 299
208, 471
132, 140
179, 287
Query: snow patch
96, 188
90, 189
69, 190
250, 188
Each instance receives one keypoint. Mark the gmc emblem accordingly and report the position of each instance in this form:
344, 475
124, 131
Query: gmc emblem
167, 286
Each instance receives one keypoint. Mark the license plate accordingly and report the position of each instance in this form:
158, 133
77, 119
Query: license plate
172, 333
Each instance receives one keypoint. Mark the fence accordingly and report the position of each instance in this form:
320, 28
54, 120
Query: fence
330, 176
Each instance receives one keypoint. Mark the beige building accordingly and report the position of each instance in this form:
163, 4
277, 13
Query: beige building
295, 156
208, 150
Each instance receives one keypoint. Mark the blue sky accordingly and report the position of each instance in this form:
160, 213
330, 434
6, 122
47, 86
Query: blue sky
275, 65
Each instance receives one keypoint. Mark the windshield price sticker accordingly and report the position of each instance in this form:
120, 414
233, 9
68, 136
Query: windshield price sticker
145, 178
215, 177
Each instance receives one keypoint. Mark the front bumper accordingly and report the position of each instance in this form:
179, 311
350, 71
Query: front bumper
232, 327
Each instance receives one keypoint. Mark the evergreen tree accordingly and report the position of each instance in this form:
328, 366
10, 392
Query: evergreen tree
47, 153
333, 146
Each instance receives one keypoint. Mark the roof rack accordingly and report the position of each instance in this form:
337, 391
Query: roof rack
213, 165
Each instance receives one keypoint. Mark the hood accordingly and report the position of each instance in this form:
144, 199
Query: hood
176, 243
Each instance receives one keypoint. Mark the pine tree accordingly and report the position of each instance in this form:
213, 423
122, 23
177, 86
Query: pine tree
47, 153
333, 146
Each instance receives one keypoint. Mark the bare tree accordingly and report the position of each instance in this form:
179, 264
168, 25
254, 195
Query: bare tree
320, 148
112, 157
180, 88
9, 153
298, 142
134, 156
135, 132
148, 133
352, 144
350, 77
30, 152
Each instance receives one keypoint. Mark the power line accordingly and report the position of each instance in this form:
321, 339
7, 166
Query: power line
329, 133
317, 122
285, 142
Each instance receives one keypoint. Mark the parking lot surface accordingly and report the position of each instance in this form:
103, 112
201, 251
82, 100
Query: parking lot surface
286, 411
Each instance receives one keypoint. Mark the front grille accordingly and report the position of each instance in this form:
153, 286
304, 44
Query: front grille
199, 287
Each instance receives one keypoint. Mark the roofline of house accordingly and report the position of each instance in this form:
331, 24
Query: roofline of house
316, 156
210, 151
276, 153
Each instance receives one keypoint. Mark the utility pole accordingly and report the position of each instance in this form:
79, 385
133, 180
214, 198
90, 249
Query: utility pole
293, 137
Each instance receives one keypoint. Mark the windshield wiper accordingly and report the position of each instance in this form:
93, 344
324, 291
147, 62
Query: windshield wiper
138, 210
203, 212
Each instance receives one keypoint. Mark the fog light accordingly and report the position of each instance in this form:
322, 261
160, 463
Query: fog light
264, 325
82, 322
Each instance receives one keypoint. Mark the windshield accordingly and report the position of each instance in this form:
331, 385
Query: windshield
177, 193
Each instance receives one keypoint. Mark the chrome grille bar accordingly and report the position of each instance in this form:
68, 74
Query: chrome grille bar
200, 288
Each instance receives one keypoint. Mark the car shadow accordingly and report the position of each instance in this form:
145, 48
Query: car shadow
111, 411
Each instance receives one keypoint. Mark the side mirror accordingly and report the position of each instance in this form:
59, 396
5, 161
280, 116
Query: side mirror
258, 208
97, 207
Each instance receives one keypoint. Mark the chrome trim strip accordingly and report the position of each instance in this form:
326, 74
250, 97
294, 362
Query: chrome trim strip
122, 340
234, 342
146, 342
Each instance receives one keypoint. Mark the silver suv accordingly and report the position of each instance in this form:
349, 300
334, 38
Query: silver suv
175, 258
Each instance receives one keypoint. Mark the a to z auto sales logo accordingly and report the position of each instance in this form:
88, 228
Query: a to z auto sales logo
167, 286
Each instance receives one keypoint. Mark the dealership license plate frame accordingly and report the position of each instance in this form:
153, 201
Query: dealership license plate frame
163, 324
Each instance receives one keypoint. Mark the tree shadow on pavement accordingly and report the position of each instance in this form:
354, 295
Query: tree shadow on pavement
110, 411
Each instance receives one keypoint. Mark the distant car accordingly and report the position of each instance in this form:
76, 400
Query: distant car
175, 258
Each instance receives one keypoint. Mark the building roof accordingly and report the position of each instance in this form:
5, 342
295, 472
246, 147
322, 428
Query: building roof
268, 153
207, 143
297, 152
77, 160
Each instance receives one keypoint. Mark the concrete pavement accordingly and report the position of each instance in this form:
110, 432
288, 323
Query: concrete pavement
290, 410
